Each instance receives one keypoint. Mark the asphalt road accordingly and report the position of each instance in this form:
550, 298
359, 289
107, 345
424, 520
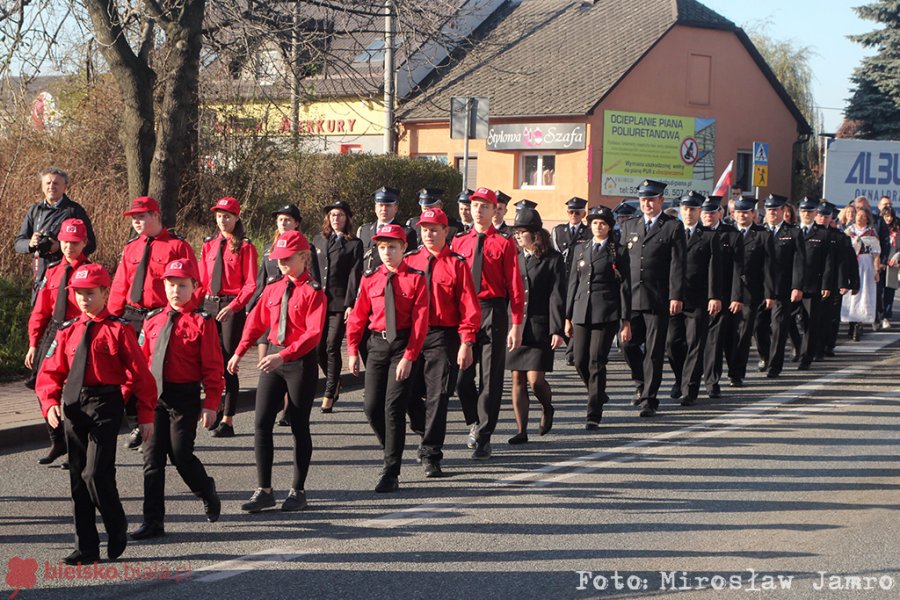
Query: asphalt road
781, 488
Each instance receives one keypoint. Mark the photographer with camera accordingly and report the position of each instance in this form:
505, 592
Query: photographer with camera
38, 234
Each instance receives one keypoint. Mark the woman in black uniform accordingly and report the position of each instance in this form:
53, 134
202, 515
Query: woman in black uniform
544, 274
338, 267
287, 218
599, 299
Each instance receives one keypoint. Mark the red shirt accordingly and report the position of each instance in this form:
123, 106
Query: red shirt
114, 359
45, 301
306, 317
453, 302
499, 269
164, 249
238, 270
410, 308
193, 354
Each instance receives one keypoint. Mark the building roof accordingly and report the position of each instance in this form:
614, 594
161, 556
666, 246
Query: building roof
563, 57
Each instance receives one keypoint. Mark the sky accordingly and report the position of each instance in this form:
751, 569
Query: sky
823, 25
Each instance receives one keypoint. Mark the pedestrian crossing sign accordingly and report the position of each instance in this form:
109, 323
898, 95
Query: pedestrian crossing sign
760, 153
760, 175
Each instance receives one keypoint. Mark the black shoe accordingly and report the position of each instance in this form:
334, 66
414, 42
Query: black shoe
212, 505
134, 440
637, 394
259, 500
433, 469
482, 451
77, 558
804, 366
570, 361
737, 382
224, 430
592, 425
762, 366
296, 500
648, 412
519, 438
115, 547
387, 484
64, 466
773, 374
715, 391
829, 352
56, 450
547, 420
148, 530
688, 401
795, 356
473, 435
220, 414
675, 391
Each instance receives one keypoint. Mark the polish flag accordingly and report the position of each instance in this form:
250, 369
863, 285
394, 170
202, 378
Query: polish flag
724, 184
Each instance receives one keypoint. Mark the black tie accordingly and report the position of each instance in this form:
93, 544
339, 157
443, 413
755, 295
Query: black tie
688, 231
744, 232
159, 351
75, 381
476, 263
572, 231
390, 314
597, 250
283, 314
647, 227
429, 269
215, 285
59, 309
137, 286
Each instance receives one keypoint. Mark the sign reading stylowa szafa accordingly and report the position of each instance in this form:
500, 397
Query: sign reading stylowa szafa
537, 136
675, 149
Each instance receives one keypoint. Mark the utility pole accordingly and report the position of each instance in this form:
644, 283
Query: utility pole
388, 77
295, 77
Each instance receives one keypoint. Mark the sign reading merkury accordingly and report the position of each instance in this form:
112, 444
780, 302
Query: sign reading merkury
537, 136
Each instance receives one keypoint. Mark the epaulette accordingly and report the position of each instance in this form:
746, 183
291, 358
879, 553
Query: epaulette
68, 323
416, 251
370, 272
459, 233
175, 235
274, 278
132, 240
155, 311
459, 256
53, 264
417, 271
314, 284
116, 319
199, 311
209, 238
247, 240
409, 223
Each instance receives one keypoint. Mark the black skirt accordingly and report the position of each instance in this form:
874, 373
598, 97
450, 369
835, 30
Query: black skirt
534, 356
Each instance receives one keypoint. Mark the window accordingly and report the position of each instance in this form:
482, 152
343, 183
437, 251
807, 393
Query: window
537, 171
743, 172
438, 158
351, 149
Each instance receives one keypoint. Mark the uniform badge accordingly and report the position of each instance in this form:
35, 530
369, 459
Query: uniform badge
141, 338
580, 263
51, 349
634, 238
630, 244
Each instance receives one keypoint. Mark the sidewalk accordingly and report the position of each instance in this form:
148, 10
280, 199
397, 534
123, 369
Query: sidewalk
20, 415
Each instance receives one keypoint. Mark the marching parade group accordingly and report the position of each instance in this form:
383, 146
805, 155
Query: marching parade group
433, 308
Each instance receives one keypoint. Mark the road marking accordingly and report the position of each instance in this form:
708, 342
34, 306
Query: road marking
257, 560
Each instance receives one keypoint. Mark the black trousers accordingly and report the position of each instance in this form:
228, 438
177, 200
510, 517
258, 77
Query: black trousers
685, 343
229, 337
330, 352
92, 424
719, 344
813, 342
763, 332
58, 433
385, 398
298, 379
781, 323
646, 364
742, 326
590, 349
481, 402
174, 432
833, 320
430, 388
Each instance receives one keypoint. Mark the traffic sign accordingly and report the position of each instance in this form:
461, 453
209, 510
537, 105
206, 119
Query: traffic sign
760, 175
760, 153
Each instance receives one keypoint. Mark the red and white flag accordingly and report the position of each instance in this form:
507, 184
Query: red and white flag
724, 184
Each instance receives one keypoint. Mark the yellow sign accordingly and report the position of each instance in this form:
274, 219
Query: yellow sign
336, 118
760, 175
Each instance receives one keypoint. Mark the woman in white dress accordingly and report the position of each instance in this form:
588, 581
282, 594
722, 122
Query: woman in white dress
860, 309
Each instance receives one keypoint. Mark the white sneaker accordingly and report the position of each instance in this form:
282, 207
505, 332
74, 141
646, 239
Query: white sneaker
885, 324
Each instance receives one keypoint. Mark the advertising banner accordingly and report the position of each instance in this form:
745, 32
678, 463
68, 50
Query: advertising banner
862, 168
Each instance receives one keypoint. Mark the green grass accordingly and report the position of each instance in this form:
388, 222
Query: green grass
15, 307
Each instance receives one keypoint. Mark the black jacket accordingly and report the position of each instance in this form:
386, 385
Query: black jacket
338, 268
786, 262
371, 260
751, 281
565, 242
544, 280
731, 256
819, 266
657, 262
599, 285
703, 269
267, 273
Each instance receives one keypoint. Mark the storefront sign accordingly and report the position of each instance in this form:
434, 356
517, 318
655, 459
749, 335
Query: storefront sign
677, 150
537, 136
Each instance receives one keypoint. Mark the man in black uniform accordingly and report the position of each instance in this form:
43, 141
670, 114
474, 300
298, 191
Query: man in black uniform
846, 270
429, 199
785, 284
566, 235
622, 213
655, 243
730, 257
386, 207
686, 337
464, 203
498, 221
819, 276
37, 235
747, 296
